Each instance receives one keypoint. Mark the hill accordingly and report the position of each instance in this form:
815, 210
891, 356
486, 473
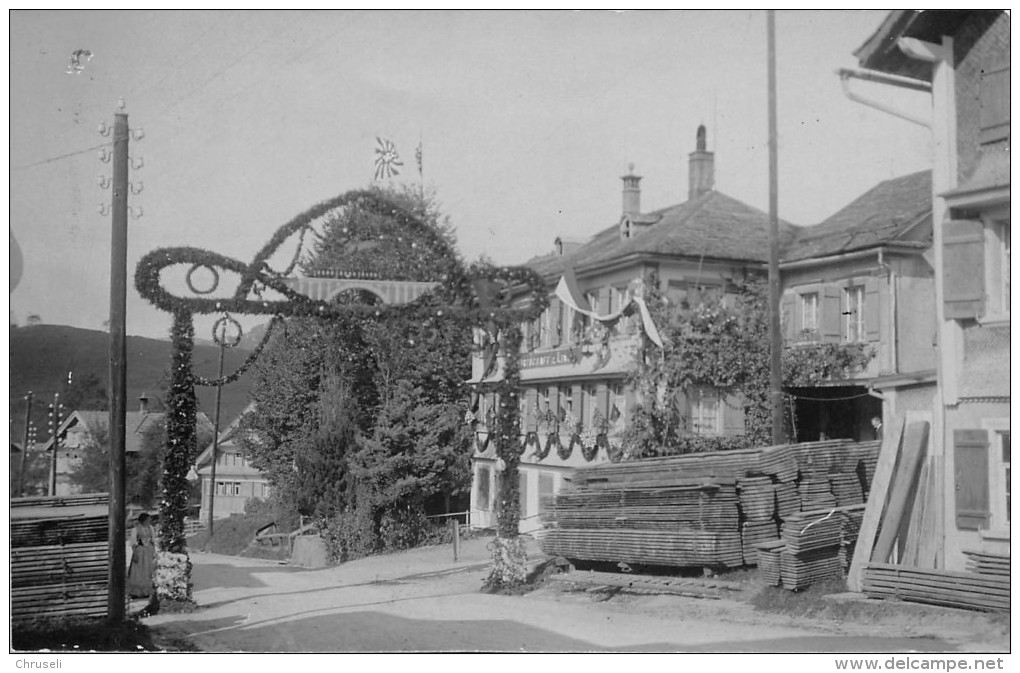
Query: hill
42, 355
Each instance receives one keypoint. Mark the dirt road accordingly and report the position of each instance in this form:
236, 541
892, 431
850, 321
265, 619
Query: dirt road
423, 601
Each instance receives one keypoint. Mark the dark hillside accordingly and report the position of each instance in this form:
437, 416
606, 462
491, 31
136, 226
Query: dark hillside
41, 356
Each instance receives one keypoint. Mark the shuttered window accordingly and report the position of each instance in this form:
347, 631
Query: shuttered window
970, 455
994, 98
704, 411
788, 317
809, 316
963, 269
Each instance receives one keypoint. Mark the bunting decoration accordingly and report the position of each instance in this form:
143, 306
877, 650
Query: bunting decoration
387, 161
568, 291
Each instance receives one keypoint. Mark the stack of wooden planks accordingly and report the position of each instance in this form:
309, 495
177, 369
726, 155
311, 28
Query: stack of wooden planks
768, 562
753, 533
59, 556
705, 509
971, 591
987, 563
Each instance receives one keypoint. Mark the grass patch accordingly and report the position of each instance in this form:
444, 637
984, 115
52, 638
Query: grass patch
93, 634
231, 535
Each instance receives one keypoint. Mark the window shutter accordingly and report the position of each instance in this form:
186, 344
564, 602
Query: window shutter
787, 312
971, 464
963, 268
733, 415
872, 312
994, 98
831, 314
524, 493
555, 322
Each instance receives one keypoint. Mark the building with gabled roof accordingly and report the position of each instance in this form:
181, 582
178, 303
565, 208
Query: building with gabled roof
84, 429
575, 365
236, 480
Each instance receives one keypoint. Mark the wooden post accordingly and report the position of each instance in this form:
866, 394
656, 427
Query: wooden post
775, 337
456, 539
216, 437
24, 448
118, 374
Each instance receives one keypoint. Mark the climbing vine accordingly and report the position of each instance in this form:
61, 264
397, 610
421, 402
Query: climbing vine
720, 344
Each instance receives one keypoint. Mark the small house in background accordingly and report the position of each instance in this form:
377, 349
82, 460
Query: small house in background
84, 430
236, 480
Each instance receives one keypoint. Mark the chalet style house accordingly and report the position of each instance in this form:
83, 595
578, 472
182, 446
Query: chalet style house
236, 481
84, 430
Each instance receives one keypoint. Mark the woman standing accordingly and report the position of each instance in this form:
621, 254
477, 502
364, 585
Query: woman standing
143, 559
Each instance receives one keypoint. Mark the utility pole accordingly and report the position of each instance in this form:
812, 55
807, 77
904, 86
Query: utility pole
775, 336
24, 448
115, 607
56, 419
216, 433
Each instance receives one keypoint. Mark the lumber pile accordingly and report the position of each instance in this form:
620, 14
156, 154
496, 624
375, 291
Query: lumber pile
713, 509
768, 562
987, 563
59, 556
971, 591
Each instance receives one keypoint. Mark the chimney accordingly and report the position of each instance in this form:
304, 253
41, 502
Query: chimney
631, 192
143, 403
701, 173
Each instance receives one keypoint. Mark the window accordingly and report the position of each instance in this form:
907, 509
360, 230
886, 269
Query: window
546, 490
999, 478
809, 316
589, 403
997, 262
482, 498
705, 412
522, 500
221, 488
853, 314
617, 404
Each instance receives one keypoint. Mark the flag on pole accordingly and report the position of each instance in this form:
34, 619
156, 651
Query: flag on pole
614, 414
418, 158
387, 160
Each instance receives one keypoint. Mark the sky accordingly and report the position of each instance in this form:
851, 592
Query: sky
526, 119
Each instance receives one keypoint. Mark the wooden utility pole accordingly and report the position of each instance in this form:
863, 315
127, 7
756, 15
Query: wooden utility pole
56, 419
115, 606
775, 336
24, 448
216, 434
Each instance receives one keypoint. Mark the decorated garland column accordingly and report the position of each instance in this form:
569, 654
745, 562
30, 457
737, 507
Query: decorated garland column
173, 567
509, 555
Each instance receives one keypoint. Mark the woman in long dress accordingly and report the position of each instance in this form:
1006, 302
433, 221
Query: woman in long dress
143, 559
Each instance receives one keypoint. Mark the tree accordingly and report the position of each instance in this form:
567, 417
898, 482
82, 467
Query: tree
33, 319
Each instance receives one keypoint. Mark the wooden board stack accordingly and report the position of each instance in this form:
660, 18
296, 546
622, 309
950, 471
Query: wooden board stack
971, 591
709, 509
987, 563
753, 533
768, 562
59, 555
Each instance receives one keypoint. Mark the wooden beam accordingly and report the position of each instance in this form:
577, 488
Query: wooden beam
915, 443
876, 504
